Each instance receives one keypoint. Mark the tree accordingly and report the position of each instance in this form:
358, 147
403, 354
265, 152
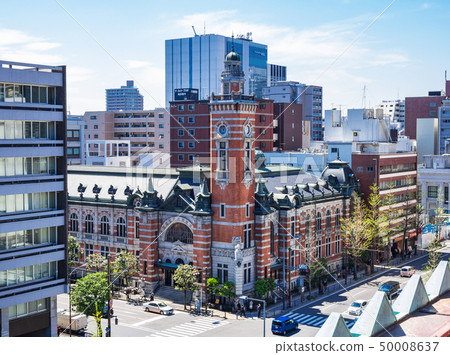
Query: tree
263, 286
390, 214
126, 265
185, 279
419, 223
376, 224
90, 293
74, 251
433, 255
96, 261
212, 285
355, 236
317, 271
228, 290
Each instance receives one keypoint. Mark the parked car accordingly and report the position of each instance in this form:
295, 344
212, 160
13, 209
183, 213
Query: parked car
157, 307
282, 325
357, 307
391, 288
407, 271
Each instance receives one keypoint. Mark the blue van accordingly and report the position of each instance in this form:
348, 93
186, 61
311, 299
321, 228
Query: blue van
282, 325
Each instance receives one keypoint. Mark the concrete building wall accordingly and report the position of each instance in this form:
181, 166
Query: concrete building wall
427, 137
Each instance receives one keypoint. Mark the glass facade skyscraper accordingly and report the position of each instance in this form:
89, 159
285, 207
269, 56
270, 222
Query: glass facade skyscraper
197, 62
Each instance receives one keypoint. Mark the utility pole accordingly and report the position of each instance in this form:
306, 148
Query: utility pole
283, 288
108, 330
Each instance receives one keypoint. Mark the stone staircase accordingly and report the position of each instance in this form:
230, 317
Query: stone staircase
170, 294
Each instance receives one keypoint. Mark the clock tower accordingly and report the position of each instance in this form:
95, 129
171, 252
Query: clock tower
232, 178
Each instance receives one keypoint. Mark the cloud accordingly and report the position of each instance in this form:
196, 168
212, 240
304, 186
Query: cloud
425, 6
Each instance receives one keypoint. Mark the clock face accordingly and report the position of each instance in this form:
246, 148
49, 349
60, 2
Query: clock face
223, 130
248, 130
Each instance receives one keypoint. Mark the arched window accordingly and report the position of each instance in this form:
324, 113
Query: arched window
337, 220
179, 231
328, 219
318, 221
104, 225
89, 221
272, 239
73, 221
179, 262
121, 227
307, 225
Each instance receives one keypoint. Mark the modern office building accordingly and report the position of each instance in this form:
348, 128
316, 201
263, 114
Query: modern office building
276, 73
197, 62
309, 96
444, 126
147, 131
33, 190
126, 98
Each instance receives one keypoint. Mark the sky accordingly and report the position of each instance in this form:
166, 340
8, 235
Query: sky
393, 48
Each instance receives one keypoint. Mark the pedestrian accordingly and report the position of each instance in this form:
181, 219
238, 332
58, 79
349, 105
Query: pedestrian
152, 296
325, 285
258, 307
238, 310
344, 273
243, 311
250, 306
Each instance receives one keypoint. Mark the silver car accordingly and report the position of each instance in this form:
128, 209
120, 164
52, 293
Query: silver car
357, 307
157, 307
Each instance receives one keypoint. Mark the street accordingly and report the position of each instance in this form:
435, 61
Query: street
133, 321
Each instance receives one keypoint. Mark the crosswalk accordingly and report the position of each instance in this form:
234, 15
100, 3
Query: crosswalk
314, 320
190, 329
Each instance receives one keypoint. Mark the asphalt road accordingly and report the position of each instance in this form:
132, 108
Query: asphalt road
133, 321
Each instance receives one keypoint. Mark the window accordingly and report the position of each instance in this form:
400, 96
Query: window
328, 220
89, 222
180, 144
263, 106
432, 104
318, 221
328, 247
247, 235
247, 273
432, 191
292, 226
161, 146
73, 219
247, 210
191, 119
190, 157
263, 145
191, 132
222, 156
136, 227
161, 136
359, 169
222, 273
191, 107
263, 118
247, 153
433, 113
337, 218
180, 157
292, 261
104, 226
104, 251
318, 249
95, 126
93, 117
89, 249
334, 150
293, 138
24, 309
180, 107
181, 119
370, 169
121, 227
191, 145
307, 225
337, 245
95, 136
180, 132
222, 210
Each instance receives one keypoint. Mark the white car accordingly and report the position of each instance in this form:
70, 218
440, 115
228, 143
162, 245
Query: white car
157, 307
357, 307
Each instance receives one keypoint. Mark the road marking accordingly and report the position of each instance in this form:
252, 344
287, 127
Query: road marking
146, 321
315, 320
191, 328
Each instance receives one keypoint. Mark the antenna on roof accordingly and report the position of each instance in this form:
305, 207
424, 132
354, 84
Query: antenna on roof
195, 33
232, 41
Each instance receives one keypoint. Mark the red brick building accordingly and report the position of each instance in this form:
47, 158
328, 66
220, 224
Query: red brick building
230, 219
288, 122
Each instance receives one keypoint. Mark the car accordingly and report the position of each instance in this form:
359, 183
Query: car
357, 307
391, 288
283, 325
407, 271
158, 307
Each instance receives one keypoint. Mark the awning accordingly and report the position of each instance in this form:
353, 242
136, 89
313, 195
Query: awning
166, 266
276, 266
